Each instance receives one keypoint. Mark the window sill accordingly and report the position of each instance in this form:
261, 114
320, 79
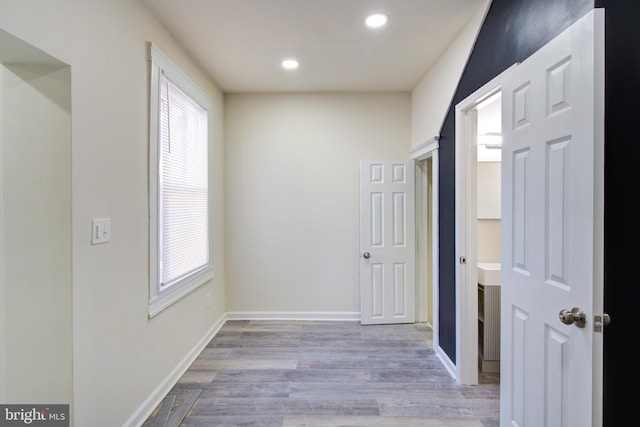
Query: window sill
178, 291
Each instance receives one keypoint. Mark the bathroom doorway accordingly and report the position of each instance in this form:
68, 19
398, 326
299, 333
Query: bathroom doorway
478, 170
488, 232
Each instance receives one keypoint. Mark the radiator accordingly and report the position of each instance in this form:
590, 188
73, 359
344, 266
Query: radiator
491, 333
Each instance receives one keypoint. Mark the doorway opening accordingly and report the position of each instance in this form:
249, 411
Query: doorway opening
35, 225
488, 234
424, 231
426, 158
478, 237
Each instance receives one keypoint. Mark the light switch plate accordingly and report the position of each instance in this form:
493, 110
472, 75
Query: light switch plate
100, 230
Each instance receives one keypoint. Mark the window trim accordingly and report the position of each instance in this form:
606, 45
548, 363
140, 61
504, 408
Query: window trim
161, 299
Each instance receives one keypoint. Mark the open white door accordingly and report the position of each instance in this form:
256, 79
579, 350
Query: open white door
387, 241
552, 231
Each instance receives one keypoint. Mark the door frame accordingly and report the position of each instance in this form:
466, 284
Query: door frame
466, 363
427, 153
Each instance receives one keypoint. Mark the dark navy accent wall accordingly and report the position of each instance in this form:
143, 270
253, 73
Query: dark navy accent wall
622, 139
512, 31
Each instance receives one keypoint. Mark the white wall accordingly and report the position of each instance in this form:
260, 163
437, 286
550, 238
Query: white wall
292, 187
488, 210
3, 309
431, 97
488, 237
119, 354
36, 233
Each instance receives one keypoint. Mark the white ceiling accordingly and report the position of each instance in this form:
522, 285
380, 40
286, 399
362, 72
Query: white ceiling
241, 42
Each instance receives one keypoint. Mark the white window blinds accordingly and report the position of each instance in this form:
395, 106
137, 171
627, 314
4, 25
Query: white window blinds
179, 222
183, 185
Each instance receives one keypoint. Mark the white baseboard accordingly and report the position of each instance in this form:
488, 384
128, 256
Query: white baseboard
446, 362
294, 315
156, 397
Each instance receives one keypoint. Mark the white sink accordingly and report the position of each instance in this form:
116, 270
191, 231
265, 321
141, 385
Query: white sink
489, 273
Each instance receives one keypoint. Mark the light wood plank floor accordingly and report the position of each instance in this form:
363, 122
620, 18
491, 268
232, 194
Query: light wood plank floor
309, 373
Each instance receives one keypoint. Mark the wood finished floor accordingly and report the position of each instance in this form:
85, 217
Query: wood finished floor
309, 373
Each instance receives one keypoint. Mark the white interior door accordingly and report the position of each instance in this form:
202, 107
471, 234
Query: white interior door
552, 228
387, 241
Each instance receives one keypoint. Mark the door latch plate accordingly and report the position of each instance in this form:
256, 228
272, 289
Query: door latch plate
600, 321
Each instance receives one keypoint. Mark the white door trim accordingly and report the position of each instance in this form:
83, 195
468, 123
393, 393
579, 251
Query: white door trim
466, 242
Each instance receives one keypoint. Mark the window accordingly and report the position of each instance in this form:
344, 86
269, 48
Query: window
179, 185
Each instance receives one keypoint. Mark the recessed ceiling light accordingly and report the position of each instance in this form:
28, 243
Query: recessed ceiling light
376, 20
289, 64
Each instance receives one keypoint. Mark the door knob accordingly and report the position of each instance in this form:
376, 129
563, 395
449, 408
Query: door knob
366, 255
600, 321
575, 315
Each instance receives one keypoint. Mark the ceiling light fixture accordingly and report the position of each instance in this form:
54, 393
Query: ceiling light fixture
376, 20
289, 64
